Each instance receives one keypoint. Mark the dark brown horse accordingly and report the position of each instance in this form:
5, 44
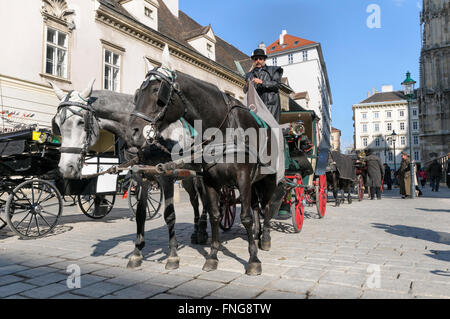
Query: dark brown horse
166, 96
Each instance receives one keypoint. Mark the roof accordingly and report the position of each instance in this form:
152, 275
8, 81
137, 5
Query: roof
333, 129
385, 97
290, 42
301, 95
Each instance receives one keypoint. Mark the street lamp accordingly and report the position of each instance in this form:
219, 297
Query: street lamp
394, 138
408, 90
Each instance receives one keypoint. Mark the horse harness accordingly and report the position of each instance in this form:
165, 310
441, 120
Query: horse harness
88, 118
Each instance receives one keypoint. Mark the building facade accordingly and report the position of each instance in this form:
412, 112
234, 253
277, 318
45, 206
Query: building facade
304, 65
335, 139
70, 42
376, 118
434, 92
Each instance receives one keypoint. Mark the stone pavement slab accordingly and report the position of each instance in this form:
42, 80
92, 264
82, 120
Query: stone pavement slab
334, 257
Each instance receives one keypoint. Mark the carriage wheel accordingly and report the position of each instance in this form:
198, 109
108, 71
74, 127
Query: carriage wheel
360, 188
33, 208
297, 208
96, 206
321, 195
227, 207
154, 199
2, 202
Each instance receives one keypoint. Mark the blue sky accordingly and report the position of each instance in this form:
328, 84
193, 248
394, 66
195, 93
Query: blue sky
358, 58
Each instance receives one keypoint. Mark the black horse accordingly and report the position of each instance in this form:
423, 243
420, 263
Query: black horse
163, 98
340, 176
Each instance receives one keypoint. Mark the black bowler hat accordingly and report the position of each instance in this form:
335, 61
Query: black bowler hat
259, 52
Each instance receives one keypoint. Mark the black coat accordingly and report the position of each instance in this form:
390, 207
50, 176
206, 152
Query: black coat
387, 175
435, 169
375, 171
269, 89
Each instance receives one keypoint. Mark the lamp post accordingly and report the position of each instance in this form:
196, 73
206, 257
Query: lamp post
394, 138
408, 90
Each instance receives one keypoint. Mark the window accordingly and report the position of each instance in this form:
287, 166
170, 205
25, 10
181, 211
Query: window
415, 125
305, 55
390, 141
377, 141
364, 140
402, 113
388, 114
416, 156
377, 127
112, 71
291, 58
364, 128
274, 61
56, 53
209, 47
389, 126
402, 140
296, 42
414, 112
364, 115
402, 126
416, 140
148, 12
390, 156
376, 115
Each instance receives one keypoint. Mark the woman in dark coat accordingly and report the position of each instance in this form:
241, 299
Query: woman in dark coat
375, 173
401, 172
387, 176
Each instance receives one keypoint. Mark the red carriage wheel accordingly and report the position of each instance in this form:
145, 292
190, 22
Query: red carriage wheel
321, 195
297, 208
227, 207
360, 188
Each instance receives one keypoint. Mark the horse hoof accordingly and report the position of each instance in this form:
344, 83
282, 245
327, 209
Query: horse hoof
254, 269
210, 265
194, 239
134, 262
265, 245
173, 263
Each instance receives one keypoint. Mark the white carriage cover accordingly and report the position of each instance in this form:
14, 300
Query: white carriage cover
254, 102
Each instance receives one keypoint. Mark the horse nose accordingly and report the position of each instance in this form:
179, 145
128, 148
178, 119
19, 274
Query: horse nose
68, 171
135, 135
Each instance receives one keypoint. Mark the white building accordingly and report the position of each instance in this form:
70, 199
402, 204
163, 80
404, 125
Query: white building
375, 120
304, 66
72, 41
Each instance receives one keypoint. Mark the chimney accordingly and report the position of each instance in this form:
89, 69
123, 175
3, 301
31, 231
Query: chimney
283, 33
387, 88
262, 46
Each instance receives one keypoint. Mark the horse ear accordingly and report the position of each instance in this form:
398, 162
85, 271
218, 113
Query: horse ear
59, 93
166, 63
88, 91
148, 64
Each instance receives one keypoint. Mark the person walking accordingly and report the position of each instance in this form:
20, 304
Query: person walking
435, 172
267, 81
375, 172
387, 176
448, 170
422, 177
401, 174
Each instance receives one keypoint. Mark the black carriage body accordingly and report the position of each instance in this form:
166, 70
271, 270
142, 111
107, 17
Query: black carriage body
29, 153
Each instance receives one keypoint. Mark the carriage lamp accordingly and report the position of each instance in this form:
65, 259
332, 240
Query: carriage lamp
408, 90
297, 128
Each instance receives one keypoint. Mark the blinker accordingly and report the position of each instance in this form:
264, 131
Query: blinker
164, 93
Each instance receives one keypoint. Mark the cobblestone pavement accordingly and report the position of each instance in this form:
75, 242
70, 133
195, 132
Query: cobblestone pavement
393, 248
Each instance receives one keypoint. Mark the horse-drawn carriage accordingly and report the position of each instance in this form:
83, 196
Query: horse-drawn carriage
32, 192
305, 162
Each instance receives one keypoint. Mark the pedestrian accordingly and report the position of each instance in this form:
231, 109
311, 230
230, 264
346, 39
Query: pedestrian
448, 170
401, 174
375, 172
422, 174
387, 176
435, 173
267, 81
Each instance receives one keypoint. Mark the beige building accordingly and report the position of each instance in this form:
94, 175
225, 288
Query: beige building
335, 139
434, 92
378, 117
72, 41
